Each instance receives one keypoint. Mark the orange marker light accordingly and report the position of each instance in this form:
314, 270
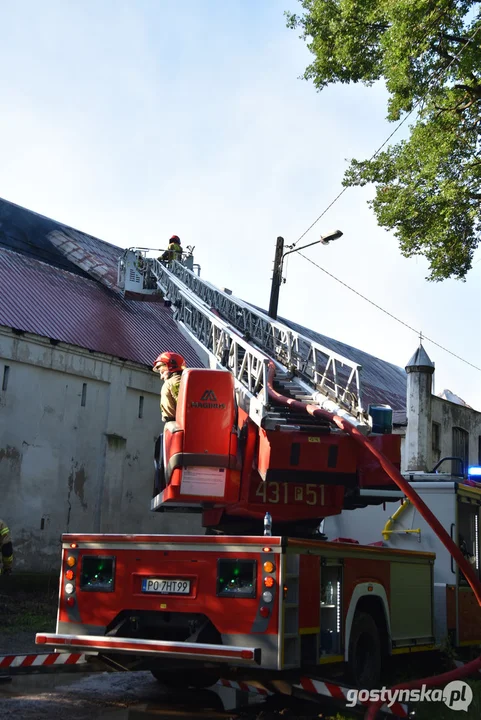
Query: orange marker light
268, 581
69, 574
70, 561
268, 566
73, 545
266, 549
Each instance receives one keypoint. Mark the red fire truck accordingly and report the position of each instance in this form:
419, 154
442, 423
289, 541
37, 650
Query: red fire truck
265, 445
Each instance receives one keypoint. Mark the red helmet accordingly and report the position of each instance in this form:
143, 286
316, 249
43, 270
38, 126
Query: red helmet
176, 239
173, 361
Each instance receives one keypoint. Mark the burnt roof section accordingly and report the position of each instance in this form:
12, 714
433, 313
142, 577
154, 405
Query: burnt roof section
56, 244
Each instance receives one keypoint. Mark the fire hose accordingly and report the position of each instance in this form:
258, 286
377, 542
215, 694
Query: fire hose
419, 504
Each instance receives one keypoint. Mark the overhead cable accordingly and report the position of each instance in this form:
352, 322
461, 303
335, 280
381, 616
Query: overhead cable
388, 313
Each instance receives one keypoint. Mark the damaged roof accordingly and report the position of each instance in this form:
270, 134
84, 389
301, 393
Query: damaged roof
61, 283
44, 292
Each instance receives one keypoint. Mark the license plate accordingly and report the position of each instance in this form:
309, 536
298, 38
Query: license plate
164, 586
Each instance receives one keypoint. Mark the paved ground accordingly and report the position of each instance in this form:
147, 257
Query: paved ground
123, 696
105, 695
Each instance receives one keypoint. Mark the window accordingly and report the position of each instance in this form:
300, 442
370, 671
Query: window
83, 400
6, 373
460, 450
141, 406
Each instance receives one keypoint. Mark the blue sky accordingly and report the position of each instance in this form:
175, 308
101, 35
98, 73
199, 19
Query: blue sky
136, 120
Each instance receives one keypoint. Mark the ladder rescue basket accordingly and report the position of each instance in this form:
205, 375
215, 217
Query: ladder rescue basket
200, 446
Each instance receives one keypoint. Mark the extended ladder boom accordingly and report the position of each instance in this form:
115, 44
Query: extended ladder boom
243, 340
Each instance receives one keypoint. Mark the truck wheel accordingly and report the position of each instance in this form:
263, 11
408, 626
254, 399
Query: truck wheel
364, 658
181, 680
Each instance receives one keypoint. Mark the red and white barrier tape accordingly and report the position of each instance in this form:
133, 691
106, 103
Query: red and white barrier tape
44, 660
316, 687
245, 687
338, 692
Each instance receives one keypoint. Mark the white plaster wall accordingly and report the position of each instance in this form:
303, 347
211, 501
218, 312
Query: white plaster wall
450, 415
64, 467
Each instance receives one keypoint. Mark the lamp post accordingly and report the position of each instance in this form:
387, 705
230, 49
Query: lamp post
279, 263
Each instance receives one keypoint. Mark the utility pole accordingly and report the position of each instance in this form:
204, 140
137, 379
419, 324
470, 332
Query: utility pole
279, 264
276, 278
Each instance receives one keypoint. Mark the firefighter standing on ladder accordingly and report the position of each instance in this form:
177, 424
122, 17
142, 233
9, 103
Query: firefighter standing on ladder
6, 549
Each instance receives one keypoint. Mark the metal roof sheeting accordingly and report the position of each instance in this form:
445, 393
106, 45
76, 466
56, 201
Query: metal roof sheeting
39, 298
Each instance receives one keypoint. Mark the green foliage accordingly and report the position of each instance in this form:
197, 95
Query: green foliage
428, 52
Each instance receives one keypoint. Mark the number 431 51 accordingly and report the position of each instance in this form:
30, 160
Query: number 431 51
285, 493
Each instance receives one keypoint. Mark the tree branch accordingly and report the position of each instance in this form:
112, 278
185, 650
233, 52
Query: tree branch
456, 38
470, 89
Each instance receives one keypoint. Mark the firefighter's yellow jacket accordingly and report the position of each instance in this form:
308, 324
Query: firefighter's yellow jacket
169, 395
173, 252
6, 548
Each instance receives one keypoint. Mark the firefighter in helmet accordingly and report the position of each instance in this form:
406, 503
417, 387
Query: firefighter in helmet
6, 549
174, 250
170, 366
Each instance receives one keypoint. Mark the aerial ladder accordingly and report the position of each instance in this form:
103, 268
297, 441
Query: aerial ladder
273, 455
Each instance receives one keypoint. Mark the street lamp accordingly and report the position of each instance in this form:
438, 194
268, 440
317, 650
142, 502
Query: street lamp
279, 263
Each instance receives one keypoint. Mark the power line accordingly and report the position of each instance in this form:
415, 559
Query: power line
388, 313
421, 99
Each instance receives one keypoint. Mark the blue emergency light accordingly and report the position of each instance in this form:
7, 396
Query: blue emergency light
474, 471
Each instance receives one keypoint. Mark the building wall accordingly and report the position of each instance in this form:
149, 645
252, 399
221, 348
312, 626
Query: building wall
430, 426
74, 454
449, 415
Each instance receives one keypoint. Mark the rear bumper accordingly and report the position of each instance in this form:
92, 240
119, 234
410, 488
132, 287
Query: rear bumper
159, 648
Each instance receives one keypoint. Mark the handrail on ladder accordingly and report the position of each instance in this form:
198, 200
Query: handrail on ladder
316, 366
